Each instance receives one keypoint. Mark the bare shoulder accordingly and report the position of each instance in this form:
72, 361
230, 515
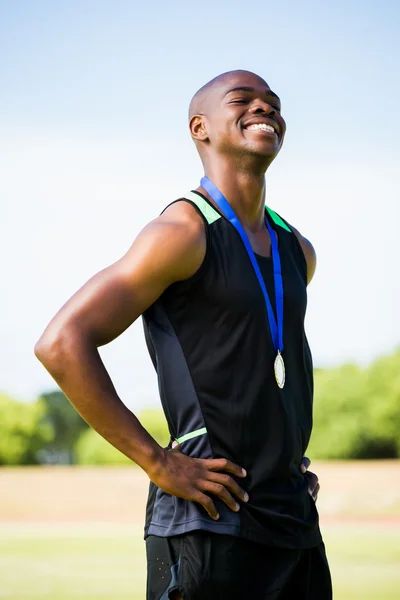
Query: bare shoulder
173, 244
170, 248
186, 234
183, 215
309, 253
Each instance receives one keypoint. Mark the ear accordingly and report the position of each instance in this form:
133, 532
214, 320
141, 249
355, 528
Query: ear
198, 128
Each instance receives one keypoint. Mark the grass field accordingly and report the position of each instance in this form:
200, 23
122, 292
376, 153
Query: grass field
84, 557
106, 562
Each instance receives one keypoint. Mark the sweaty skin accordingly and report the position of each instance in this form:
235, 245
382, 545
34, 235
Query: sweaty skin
171, 248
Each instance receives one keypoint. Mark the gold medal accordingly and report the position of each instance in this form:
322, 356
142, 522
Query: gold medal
279, 369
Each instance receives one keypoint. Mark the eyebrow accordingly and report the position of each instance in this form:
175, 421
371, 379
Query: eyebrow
251, 89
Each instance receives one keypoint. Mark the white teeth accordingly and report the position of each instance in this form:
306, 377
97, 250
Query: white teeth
263, 126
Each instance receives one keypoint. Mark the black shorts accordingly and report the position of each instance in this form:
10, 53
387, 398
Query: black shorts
211, 566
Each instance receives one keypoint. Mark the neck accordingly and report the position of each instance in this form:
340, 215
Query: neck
245, 192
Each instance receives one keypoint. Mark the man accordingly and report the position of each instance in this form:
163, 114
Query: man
221, 283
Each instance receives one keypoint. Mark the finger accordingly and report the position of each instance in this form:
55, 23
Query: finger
208, 505
312, 479
314, 489
217, 489
315, 493
223, 464
305, 463
230, 485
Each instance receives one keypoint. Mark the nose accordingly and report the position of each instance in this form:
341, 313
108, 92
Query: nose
261, 107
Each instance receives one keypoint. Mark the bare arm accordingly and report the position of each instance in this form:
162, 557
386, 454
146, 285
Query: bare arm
171, 248
309, 253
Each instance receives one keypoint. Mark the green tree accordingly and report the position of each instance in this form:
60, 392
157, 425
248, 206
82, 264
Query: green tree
67, 426
22, 431
382, 437
357, 411
338, 412
92, 449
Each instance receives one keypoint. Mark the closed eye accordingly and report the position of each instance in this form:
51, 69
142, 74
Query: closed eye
239, 101
247, 100
276, 106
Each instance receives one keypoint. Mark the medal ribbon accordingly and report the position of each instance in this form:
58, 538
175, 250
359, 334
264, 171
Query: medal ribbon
276, 326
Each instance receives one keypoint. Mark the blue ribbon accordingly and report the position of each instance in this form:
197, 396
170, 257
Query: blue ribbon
275, 327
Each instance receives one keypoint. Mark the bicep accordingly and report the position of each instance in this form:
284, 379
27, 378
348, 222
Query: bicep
115, 297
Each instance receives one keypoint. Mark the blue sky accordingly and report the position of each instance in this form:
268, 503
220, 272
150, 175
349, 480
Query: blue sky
94, 143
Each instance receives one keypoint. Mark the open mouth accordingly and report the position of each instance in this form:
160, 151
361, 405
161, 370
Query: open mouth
262, 127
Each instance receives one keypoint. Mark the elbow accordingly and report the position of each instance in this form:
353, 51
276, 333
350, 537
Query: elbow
50, 350
46, 350
41, 349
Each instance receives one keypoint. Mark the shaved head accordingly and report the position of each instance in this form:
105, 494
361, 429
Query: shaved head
203, 97
221, 112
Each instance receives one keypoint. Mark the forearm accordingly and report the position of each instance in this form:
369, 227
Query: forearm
76, 366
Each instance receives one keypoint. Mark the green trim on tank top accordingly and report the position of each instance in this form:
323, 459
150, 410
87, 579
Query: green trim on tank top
276, 219
208, 212
191, 435
211, 215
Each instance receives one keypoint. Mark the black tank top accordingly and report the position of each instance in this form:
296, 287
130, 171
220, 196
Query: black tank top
210, 341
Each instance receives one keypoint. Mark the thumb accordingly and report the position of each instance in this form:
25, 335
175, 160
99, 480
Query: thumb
305, 463
176, 446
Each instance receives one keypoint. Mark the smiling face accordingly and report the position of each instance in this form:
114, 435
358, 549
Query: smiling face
237, 114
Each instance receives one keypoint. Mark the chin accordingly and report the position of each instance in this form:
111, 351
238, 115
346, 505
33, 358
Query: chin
263, 151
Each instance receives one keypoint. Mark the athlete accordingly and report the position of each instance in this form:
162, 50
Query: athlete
221, 283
